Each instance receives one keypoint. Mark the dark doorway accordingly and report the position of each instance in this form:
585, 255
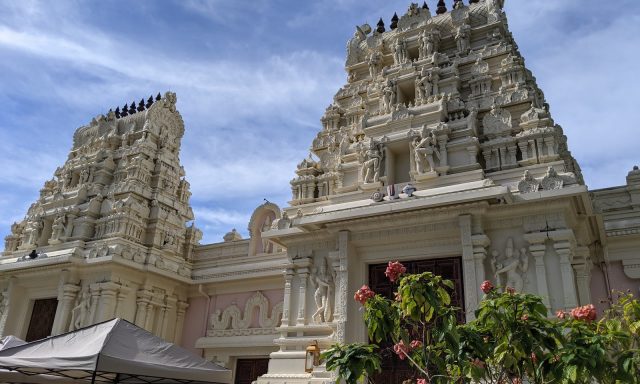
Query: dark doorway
42, 316
248, 370
394, 370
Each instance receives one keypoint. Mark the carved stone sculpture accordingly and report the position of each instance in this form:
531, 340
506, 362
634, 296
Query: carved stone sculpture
267, 246
57, 229
399, 52
425, 148
80, 313
374, 64
528, 183
424, 86
551, 180
515, 266
323, 281
463, 38
232, 321
371, 161
388, 97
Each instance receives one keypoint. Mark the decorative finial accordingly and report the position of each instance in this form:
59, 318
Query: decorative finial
442, 8
394, 21
380, 28
149, 102
124, 111
141, 105
132, 108
117, 112
158, 97
425, 6
458, 4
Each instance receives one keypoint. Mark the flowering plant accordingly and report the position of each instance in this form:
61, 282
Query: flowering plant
511, 340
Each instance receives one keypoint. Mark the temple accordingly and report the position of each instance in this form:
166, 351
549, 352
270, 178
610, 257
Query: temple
440, 151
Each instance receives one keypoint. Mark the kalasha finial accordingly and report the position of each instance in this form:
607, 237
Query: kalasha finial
124, 111
458, 4
380, 28
425, 6
442, 8
394, 21
141, 105
158, 97
117, 112
132, 108
149, 102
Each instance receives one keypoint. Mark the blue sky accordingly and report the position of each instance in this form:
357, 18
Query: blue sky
254, 77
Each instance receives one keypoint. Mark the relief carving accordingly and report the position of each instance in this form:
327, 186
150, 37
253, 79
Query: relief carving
232, 319
514, 265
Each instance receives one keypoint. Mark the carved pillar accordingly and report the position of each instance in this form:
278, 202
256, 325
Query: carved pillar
181, 309
286, 305
108, 296
4, 309
469, 268
524, 149
339, 263
123, 292
550, 144
142, 302
151, 315
69, 228
442, 144
95, 296
563, 243
538, 248
582, 267
66, 298
169, 304
302, 267
512, 150
480, 244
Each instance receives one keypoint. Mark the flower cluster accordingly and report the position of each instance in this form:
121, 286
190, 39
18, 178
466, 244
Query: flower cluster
402, 350
588, 313
486, 286
422, 381
394, 270
363, 294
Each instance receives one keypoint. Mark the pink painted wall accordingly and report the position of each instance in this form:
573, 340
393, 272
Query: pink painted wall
598, 290
195, 323
618, 281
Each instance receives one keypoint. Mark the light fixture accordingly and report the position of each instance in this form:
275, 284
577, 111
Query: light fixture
312, 358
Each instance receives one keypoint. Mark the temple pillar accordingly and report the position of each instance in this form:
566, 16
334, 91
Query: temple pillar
469, 268
67, 295
480, 243
181, 309
538, 248
143, 300
564, 245
303, 269
339, 263
286, 305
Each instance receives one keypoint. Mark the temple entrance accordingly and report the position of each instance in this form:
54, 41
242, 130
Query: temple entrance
248, 370
394, 370
42, 316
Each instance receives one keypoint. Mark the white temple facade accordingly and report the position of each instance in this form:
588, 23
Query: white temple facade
440, 152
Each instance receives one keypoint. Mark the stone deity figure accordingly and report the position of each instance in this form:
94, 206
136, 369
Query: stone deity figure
388, 97
426, 45
323, 282
463, 37
266, 244
33, 231
424, 149
353, 46
57, 228
399, 52
514, 266
374, 62
80, 313
423, 86
372, 158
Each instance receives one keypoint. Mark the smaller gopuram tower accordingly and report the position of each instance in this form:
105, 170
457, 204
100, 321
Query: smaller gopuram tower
108, 235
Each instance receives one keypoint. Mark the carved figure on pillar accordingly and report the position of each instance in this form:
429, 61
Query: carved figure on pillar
371, 161
388, 97
515, 266
33, 230
57, 229
323, 282
266, 244
424, 149
463, 38
427, 45
353, 46
80, 313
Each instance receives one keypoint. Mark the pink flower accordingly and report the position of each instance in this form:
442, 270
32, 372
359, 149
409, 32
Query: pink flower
401, 350
478, 363
422, 381
588, 313
511, 290
415, 344
560, 314
394, 270
363, 294
524, 317
486, 286
534, 358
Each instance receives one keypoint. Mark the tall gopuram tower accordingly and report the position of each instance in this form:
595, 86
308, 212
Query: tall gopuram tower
108, 236
440, 152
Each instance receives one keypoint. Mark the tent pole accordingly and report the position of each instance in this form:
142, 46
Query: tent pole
93, 377
117, 379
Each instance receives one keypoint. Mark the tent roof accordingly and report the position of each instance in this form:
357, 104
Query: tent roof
117, 351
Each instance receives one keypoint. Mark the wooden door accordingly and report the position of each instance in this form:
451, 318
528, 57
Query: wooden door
394, 370
42, 316
248, 370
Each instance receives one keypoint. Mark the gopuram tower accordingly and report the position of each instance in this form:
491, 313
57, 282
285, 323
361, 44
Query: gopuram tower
440, 152
108, 236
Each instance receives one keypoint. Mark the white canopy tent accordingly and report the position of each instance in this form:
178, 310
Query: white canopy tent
115, 351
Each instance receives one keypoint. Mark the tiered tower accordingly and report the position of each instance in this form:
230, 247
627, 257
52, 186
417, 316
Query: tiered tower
121, 197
